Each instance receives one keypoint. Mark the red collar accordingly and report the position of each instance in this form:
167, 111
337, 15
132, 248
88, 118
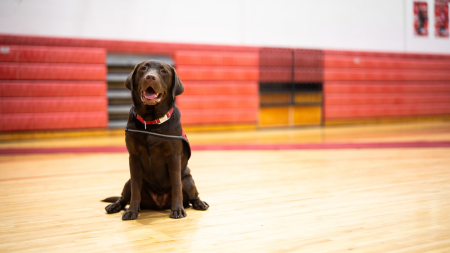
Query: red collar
161, 120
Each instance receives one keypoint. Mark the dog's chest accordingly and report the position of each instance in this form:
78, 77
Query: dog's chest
155, 167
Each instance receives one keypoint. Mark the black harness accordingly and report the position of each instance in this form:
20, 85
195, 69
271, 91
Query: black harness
183, 137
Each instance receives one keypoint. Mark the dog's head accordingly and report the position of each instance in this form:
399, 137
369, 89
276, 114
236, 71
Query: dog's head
153, 82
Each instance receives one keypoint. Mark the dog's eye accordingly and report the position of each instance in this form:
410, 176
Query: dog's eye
144, 68
163, 71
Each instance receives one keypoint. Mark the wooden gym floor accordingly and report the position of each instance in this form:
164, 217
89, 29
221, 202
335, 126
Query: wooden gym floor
306, 200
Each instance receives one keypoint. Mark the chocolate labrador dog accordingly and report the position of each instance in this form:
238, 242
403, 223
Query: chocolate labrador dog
160, 177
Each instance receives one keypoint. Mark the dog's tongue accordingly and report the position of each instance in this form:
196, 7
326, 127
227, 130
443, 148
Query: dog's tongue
150, 95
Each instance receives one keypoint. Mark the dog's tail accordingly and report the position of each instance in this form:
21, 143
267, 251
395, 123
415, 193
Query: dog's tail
111, 199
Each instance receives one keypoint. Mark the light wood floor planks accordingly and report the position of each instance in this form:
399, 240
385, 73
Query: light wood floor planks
372, 200
432, 131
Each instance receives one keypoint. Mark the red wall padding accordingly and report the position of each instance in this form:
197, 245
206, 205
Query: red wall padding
120, 46
218, 73
220, 88
218, 116
386, 54
374, 84
373, 99
272, 57
217, 58
382, 110
54, 104
44, 88
217, 89
53, 121
52, 54
217, 101
371, 85
52, 88
386, 98
52, 71
217, 77
385, 87
348, 74
276, 74
385, 75
340, 61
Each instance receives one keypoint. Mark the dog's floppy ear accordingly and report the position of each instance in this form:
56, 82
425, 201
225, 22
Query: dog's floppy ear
177, 85
129, 82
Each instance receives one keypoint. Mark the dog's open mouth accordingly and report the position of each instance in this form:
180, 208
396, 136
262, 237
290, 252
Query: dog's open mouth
150, 97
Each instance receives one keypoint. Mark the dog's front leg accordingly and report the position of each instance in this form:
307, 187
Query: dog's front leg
177, 209
136, 186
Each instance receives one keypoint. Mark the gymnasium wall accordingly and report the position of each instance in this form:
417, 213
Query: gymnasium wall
44, 88
229, 85
369, 25
221, 82
352, 61
220, 87
370, 87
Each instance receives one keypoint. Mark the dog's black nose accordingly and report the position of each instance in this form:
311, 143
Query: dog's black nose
150, 77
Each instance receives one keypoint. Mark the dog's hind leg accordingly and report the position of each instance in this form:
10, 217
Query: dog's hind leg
122, 201
190, 190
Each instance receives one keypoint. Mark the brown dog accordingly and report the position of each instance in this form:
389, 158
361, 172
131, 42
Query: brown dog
160, 177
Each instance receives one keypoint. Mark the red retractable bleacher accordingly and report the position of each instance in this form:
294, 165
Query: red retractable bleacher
120, 46
48, 88
220, 87
357, 85
368, 85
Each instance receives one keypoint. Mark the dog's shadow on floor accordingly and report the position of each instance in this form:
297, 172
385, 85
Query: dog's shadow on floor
147, 217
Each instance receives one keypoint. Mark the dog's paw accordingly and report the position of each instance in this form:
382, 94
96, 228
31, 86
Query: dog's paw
200, 205
113, 208
178, 213
130, 215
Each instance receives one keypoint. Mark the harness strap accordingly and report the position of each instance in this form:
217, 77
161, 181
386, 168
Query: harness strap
156, 134
183, 137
